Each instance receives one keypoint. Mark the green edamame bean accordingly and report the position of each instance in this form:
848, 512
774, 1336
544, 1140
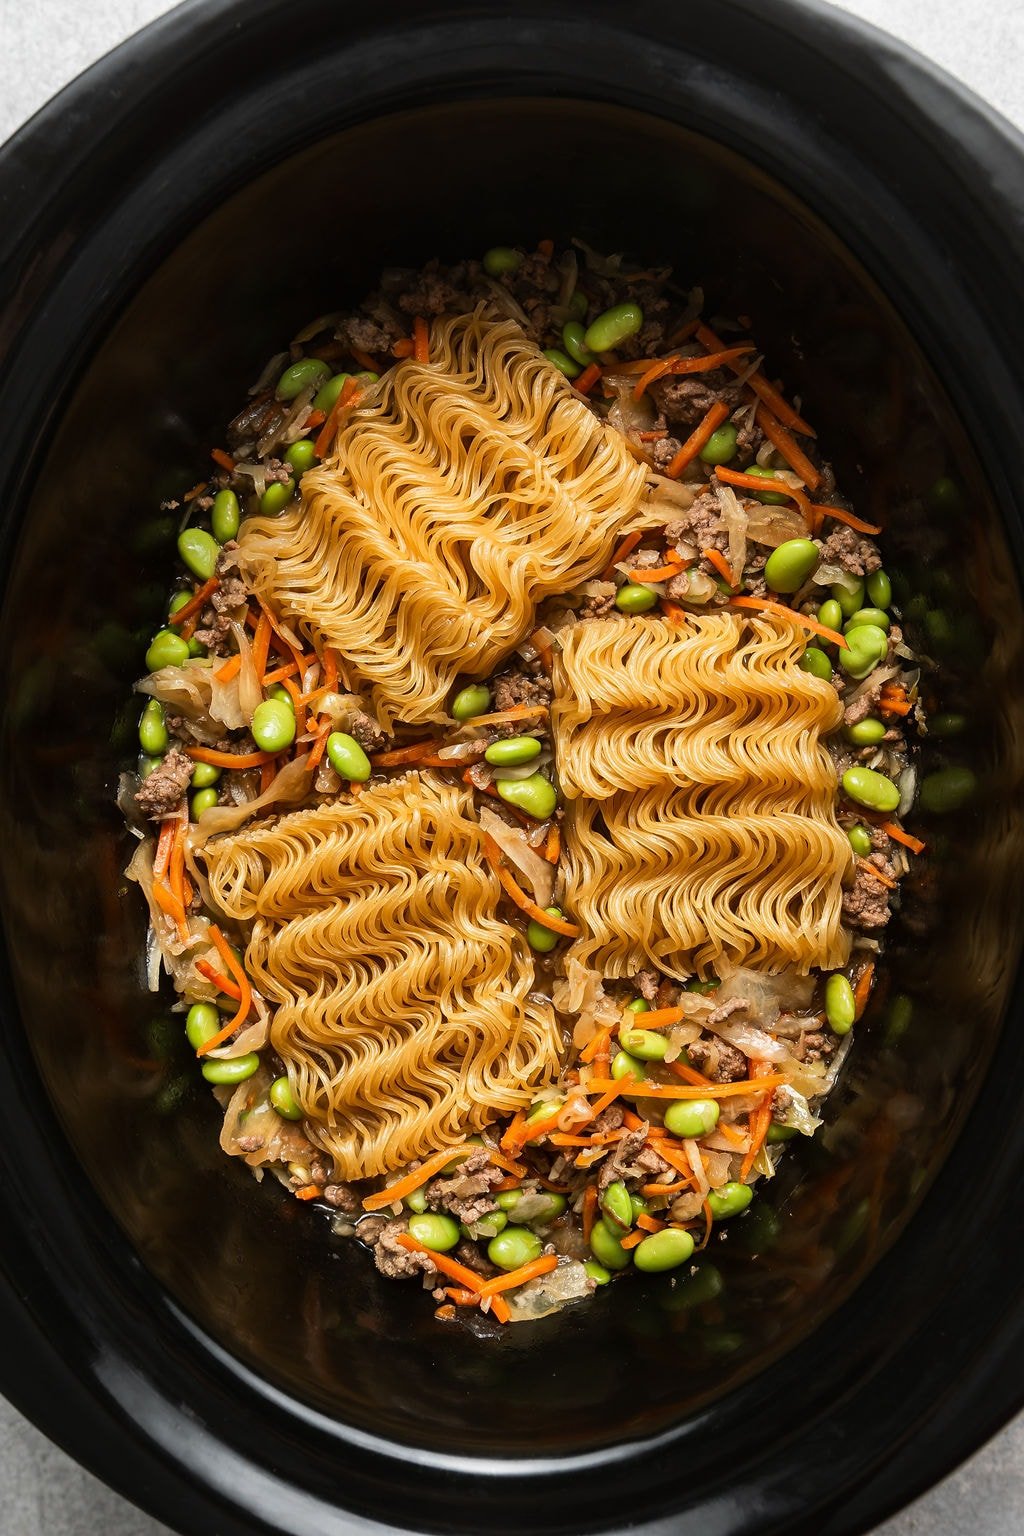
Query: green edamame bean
644, 1044
471, 701
283, 1100
868, 616
901, 1011
273, 725
938, 628
488, 1226
870, 789
202, 1022
225, 516
200, 551
574, 343
196, 647
277, 496
511, 751
596, 1272
770, 498
436, 1232
789, 566
148, 765
562, 361
860, 840
347, 757
614, 327
830, 614
416, 1201
866, 646
635, 598
639, 1205
535, 795
840, 1004
307, 373
866, 733
514, 1247
301, 455
617, 1206
720, 446
556, 1206
203, 775
947, 790
202, 800
947, 724
624, 1065
663, 1250
879, 589
850, 601
234, 1069
501, 259
279, 691
777, 1133
508, 1199
817, 663
542, 939
178, 602
153, 737
638, 1005
606, 1246
704, 988
730, 1200
543, 1109
326, 398
578, 304
166, 649
692, 1117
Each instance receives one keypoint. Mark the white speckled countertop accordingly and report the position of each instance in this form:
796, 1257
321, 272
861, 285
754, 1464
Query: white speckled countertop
42, 46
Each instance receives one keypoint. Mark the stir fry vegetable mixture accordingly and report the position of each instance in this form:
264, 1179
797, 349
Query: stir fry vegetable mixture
667, 1116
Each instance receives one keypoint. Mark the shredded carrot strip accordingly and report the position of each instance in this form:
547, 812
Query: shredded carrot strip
542, 1266
899, 836
842, 516
626, 547
543, 649
519, 1170
410, 1181
350, 393
421, 340
783, 441
225, 460
366, 360
872, 869
230, 759
517, 712
721, 565
659, 572
709, 1221
168, 832
676, 1158
315, 419
460, 1297
702, 364
230, 669
587, 379
510, 1183
647, 1090
560, 1139
862, 991
510, 1141
659, 1018
533, 1131
280, 673
760, 1120
803, 619
649, 1223
196, 490
319, 746
196, 603
308, 1192
654, 1190
782, 487
492, 854
444, 1313
760, 386
697, 438
653, 437
220, 981
589, 1211
450, 1267
609, 1095
499, 1306
176, 878
553, 844
411, 754
267, 772
673, 612
731, 1133
598, 1042
689, 1074
261, 644
631, 1121
245, 1004
633, 1240
684, 332
403, 347
889, 704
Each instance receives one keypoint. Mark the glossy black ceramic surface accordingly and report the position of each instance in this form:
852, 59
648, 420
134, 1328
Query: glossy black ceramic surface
170, 221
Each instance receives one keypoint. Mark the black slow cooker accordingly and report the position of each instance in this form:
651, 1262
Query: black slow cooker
241, 166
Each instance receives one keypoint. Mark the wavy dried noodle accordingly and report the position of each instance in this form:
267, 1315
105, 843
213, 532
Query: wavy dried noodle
402, 1003
700, 830
458, 495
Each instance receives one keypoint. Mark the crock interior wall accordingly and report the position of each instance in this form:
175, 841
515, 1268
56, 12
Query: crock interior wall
88, 584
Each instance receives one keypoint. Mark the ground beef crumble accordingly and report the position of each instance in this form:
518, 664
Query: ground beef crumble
866, 903
851, 552
163, 791
719, 1061
513, 689
366, 731
632, 1161
466, 1195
